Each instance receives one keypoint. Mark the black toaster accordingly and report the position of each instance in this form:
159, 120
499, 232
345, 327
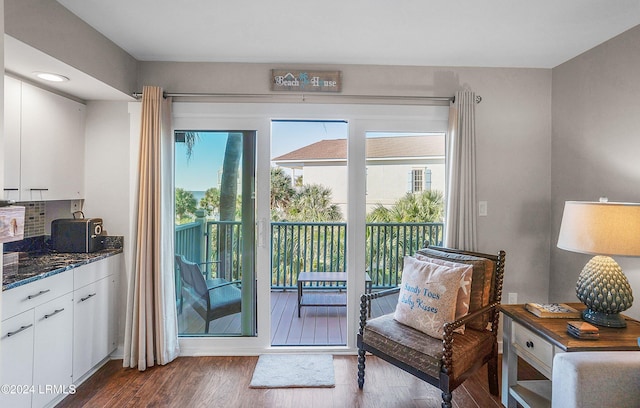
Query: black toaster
77, 235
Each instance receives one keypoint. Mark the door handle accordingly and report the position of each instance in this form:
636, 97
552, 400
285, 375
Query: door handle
21, 329
42, 292
54, 313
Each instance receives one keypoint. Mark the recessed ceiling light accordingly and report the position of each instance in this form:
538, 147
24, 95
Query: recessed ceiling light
48, 76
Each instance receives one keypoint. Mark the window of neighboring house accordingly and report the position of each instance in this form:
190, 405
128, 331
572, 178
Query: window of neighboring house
417, 180
420, 180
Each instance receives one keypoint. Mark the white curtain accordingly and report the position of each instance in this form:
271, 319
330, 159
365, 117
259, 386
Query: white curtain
151, 332
461, 215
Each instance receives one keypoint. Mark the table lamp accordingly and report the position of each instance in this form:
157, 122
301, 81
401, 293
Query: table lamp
602, 229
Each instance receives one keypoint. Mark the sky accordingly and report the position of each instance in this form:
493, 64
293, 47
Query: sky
200, 172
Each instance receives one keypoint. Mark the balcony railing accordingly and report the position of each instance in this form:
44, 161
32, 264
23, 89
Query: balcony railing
306, 246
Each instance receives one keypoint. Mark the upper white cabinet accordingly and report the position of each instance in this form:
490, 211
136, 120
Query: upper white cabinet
12, 108
44, 144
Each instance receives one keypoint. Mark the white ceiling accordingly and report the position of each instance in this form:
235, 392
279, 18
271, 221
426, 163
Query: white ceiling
486, 33
480, 33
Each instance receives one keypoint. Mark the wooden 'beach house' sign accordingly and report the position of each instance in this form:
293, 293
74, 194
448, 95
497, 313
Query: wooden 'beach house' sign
306, 81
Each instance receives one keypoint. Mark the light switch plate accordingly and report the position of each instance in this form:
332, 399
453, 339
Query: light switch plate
482, 208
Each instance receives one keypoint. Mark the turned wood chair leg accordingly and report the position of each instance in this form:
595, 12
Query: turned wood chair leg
361, 359
492, 374
446, 399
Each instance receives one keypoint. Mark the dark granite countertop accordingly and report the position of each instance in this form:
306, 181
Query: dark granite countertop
39, 262
37, 266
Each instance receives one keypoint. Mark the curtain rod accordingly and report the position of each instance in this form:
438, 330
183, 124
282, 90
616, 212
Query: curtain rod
303, 96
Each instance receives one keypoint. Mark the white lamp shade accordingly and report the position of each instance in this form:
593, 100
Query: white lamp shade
600, 228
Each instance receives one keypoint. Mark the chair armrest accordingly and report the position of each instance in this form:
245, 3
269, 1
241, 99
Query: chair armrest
209, 262
451, 326
370, 296
448, 328
220, 285
365, 300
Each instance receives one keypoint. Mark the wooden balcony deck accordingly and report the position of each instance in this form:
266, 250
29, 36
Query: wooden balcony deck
316, 326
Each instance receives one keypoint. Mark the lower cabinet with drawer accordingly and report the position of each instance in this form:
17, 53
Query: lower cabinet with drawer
36, 338
52, 350
16, 360
538, 353
93, 325
56, 331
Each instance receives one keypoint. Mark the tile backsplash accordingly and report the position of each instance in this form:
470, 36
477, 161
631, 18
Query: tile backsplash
34, 218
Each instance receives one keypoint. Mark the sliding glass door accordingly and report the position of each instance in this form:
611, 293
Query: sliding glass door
214, 232
260, 249
309, 232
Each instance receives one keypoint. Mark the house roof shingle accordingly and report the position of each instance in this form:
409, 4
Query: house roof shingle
376, 147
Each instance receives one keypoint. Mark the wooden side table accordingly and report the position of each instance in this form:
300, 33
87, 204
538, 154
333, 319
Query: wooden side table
536, 340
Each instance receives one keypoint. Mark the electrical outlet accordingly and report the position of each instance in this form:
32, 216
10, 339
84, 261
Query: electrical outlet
76, 205
513, 298
482, 208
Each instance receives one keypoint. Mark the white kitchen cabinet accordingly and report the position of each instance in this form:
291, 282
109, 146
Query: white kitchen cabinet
16, 360
52, 350
95, 318
34, 294
91, 340
49, 155
56, 331
12, 108
114, 285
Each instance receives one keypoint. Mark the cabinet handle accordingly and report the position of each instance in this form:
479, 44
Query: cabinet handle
42, 292
11, 189
38, 189
22, 328
55, 312
87, 297
529, 344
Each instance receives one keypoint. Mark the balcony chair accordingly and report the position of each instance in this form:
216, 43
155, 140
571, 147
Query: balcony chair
210, 298
448, 362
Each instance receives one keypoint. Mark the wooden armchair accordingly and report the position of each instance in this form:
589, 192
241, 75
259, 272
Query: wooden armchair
445, 363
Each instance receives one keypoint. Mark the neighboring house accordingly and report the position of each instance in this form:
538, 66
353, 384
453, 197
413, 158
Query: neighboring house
396, 165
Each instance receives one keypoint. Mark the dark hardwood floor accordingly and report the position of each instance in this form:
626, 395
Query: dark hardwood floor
224, 382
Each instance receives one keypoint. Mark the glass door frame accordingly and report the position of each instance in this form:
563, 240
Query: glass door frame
257, 117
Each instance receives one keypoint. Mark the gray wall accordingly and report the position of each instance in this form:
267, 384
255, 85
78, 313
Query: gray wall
49, 27
595, 146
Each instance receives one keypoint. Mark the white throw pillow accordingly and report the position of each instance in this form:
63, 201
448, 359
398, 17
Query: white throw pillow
427, 298
464, 293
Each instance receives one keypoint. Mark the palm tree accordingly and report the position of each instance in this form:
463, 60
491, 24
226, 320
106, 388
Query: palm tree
393, 242
427, 206
281, 193
229, 181
313, 203
229, 197
185, 205
211, 200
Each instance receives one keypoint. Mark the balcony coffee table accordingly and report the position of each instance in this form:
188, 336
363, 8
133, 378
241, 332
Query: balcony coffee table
311, 277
